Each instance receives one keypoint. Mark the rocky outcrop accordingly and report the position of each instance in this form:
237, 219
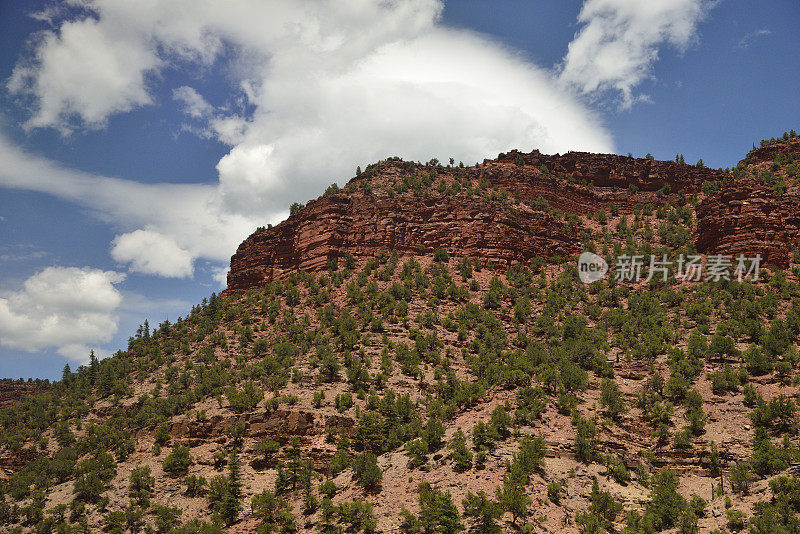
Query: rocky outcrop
767, 153
11, 391
278, 425
582, 183
748, 217
361, 225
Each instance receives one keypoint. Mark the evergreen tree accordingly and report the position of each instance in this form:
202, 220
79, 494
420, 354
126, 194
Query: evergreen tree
230, 503
66, 374
93, 366
367, 472
483, 512
438, 512
513, 499
462, 456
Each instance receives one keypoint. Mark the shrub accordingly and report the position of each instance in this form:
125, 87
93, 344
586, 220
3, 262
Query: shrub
462, 456
687, 524
177, 461
343, 402
585, 438
88, 487
611, 398
739, 478
141, 486
513, 498
195, 485
267, 449
438, 513
554, 490
417, 452
273, 511
602, 511
328, 489
246, 399
367, 472
433, 434
666, 504
698, 505
356, 516
166, 517
778, 413
440, 256
736, 519
483, 513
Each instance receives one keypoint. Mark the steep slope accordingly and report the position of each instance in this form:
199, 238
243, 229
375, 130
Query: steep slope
415, 352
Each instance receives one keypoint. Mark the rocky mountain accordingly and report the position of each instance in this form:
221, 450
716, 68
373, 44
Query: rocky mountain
416, 352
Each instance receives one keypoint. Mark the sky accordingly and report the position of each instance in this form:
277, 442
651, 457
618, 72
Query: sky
141, 142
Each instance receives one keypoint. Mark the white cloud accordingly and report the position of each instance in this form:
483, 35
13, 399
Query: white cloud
324, 86
619, 42
67, 308
86, 70
150, 252
443, 94
193, 102
748, 38
220, 274
180, 218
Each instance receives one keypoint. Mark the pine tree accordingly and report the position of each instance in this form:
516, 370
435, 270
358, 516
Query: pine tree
367, 472
484, 513
66, 373
230, 503
438, 512
513, 499
234, 475
93, 365
462, 456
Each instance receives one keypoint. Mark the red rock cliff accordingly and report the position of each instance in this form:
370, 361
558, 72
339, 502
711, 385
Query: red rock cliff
748, 216
361, 223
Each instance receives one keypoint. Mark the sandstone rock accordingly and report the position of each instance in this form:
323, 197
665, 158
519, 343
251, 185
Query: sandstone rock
362, 224
747, 217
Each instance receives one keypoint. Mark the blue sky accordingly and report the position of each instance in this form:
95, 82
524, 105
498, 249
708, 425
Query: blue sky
139, 145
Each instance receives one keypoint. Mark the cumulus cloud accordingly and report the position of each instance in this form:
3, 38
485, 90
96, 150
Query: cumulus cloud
67, 308
180, 220
324, 85
150, 252
445, 94
70, 78
619, 41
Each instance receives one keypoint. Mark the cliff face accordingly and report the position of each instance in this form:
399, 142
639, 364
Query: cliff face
748, 216
336, 225
361, 222
379, 211
595, 181
745, 218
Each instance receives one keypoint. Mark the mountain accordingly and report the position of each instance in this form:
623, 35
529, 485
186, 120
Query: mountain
416, 352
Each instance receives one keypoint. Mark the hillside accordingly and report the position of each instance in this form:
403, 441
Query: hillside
416, 352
